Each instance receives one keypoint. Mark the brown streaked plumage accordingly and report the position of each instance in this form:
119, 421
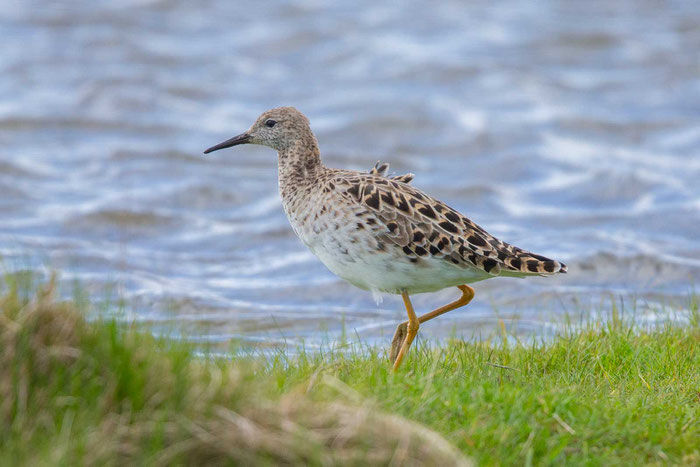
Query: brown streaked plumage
378, 232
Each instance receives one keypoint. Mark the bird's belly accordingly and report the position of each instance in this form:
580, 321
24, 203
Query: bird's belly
389, 270
354, 256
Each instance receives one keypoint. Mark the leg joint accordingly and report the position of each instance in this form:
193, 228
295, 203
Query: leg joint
467, 293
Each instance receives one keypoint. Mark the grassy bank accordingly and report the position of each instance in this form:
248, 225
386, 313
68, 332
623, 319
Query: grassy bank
73, 392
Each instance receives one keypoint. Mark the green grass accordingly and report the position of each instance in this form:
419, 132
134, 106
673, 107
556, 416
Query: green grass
74, 392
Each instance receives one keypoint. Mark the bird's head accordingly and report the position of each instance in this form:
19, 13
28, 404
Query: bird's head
280, 128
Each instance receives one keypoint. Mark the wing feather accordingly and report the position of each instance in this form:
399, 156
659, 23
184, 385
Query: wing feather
422, 227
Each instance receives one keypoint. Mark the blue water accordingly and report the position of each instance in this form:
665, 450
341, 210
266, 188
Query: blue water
568, 128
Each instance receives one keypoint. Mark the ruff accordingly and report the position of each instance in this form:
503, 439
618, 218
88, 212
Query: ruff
378, 232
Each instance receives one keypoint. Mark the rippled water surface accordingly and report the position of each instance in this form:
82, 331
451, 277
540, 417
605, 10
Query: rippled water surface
570, 129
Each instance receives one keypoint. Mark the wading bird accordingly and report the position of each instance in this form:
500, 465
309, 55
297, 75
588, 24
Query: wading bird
381, 233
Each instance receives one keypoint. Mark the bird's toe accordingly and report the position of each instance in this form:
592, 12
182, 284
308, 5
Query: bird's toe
397, 341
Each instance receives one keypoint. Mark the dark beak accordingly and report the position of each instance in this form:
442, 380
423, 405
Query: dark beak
243, 138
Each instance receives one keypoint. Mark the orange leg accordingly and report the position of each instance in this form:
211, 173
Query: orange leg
412, 326
406, 331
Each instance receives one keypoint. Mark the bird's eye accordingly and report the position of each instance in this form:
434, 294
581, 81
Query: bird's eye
270, 122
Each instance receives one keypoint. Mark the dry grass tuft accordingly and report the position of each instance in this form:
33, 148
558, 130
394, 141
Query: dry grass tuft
100, 393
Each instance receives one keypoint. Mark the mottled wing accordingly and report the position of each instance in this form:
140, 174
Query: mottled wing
424, 227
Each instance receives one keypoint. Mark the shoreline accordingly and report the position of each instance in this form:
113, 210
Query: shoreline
86, 392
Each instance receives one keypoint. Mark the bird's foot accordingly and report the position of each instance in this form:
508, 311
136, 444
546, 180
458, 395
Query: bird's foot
397, 341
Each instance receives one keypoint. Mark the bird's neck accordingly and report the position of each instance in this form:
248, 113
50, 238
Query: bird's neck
299, 164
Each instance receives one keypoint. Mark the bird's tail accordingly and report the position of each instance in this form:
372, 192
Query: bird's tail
524, 262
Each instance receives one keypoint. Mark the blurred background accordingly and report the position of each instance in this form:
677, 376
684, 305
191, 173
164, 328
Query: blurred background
568, 128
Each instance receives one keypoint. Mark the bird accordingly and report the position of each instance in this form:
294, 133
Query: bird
381, 233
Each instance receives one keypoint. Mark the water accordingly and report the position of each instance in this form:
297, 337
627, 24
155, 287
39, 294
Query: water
568, 128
